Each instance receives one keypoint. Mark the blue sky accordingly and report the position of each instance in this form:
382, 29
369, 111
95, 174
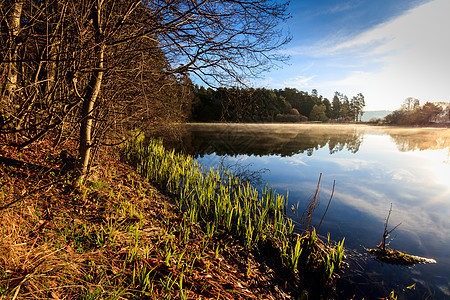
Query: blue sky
386, 49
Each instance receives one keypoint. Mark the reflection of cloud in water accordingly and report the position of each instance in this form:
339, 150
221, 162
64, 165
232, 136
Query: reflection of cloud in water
419, 204
371, 172
416, 218
370, 185
445, 289
294, 160
437, 164
236, 158
441, 199
403, 175
368, 179
347, 164
343, 163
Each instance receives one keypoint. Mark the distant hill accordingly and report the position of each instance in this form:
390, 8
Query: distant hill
377, 114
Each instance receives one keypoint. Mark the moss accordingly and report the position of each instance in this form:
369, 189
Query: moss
396, 257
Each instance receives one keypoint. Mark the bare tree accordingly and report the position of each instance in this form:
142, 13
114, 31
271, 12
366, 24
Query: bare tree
79, 56
410, 103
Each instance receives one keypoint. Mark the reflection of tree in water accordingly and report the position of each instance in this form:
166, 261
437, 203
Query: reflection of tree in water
267, 139
421, 139
352, 141
241, 170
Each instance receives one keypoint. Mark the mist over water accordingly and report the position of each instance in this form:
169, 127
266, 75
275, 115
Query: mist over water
373, 167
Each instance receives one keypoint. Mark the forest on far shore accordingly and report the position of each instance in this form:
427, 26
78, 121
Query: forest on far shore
291, 105
267, 105
412, 113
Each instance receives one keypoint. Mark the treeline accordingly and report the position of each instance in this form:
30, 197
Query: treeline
411, 113
277, 105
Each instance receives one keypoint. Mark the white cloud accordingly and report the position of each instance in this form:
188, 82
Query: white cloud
408, 56
326, 9
300, 82
414, 51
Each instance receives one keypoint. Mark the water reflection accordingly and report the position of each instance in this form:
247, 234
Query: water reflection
267, 139
420, 139
288, 140
373, 167
406, 166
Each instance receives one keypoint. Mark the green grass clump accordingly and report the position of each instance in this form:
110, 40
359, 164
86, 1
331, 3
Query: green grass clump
222, 203
216, 201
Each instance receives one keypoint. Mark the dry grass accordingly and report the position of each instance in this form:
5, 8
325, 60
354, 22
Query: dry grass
116, 238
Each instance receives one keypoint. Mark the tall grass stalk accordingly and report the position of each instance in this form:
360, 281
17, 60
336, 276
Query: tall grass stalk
219, 201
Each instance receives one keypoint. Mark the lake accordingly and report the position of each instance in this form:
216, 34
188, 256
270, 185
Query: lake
373, 167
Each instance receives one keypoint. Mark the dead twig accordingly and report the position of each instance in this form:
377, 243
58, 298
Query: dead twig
387, 232
331, 197
307, 214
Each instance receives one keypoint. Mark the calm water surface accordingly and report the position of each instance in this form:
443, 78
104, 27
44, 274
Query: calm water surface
373, 167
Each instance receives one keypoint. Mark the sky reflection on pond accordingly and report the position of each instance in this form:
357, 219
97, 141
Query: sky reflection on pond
373, 167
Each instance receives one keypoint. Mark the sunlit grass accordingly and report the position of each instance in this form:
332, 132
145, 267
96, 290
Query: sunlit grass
222, 203
118, 238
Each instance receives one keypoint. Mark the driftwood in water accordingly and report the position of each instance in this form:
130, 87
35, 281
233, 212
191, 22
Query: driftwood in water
399, 258
393, 256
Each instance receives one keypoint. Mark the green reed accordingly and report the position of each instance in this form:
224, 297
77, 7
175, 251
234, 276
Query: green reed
220, 201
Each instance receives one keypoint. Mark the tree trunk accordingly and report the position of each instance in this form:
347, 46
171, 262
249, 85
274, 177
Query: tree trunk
90, 96
13, 21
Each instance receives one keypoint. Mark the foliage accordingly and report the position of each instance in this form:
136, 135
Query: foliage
265, 105
357, 105
412, 114
318, 113
218, 202
410, 104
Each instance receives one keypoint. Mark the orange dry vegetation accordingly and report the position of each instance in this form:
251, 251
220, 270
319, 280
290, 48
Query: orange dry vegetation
62, 242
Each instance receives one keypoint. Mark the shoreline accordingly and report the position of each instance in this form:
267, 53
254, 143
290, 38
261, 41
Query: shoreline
317, 123
117, 237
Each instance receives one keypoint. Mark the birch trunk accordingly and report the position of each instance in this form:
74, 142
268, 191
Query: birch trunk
90, 96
